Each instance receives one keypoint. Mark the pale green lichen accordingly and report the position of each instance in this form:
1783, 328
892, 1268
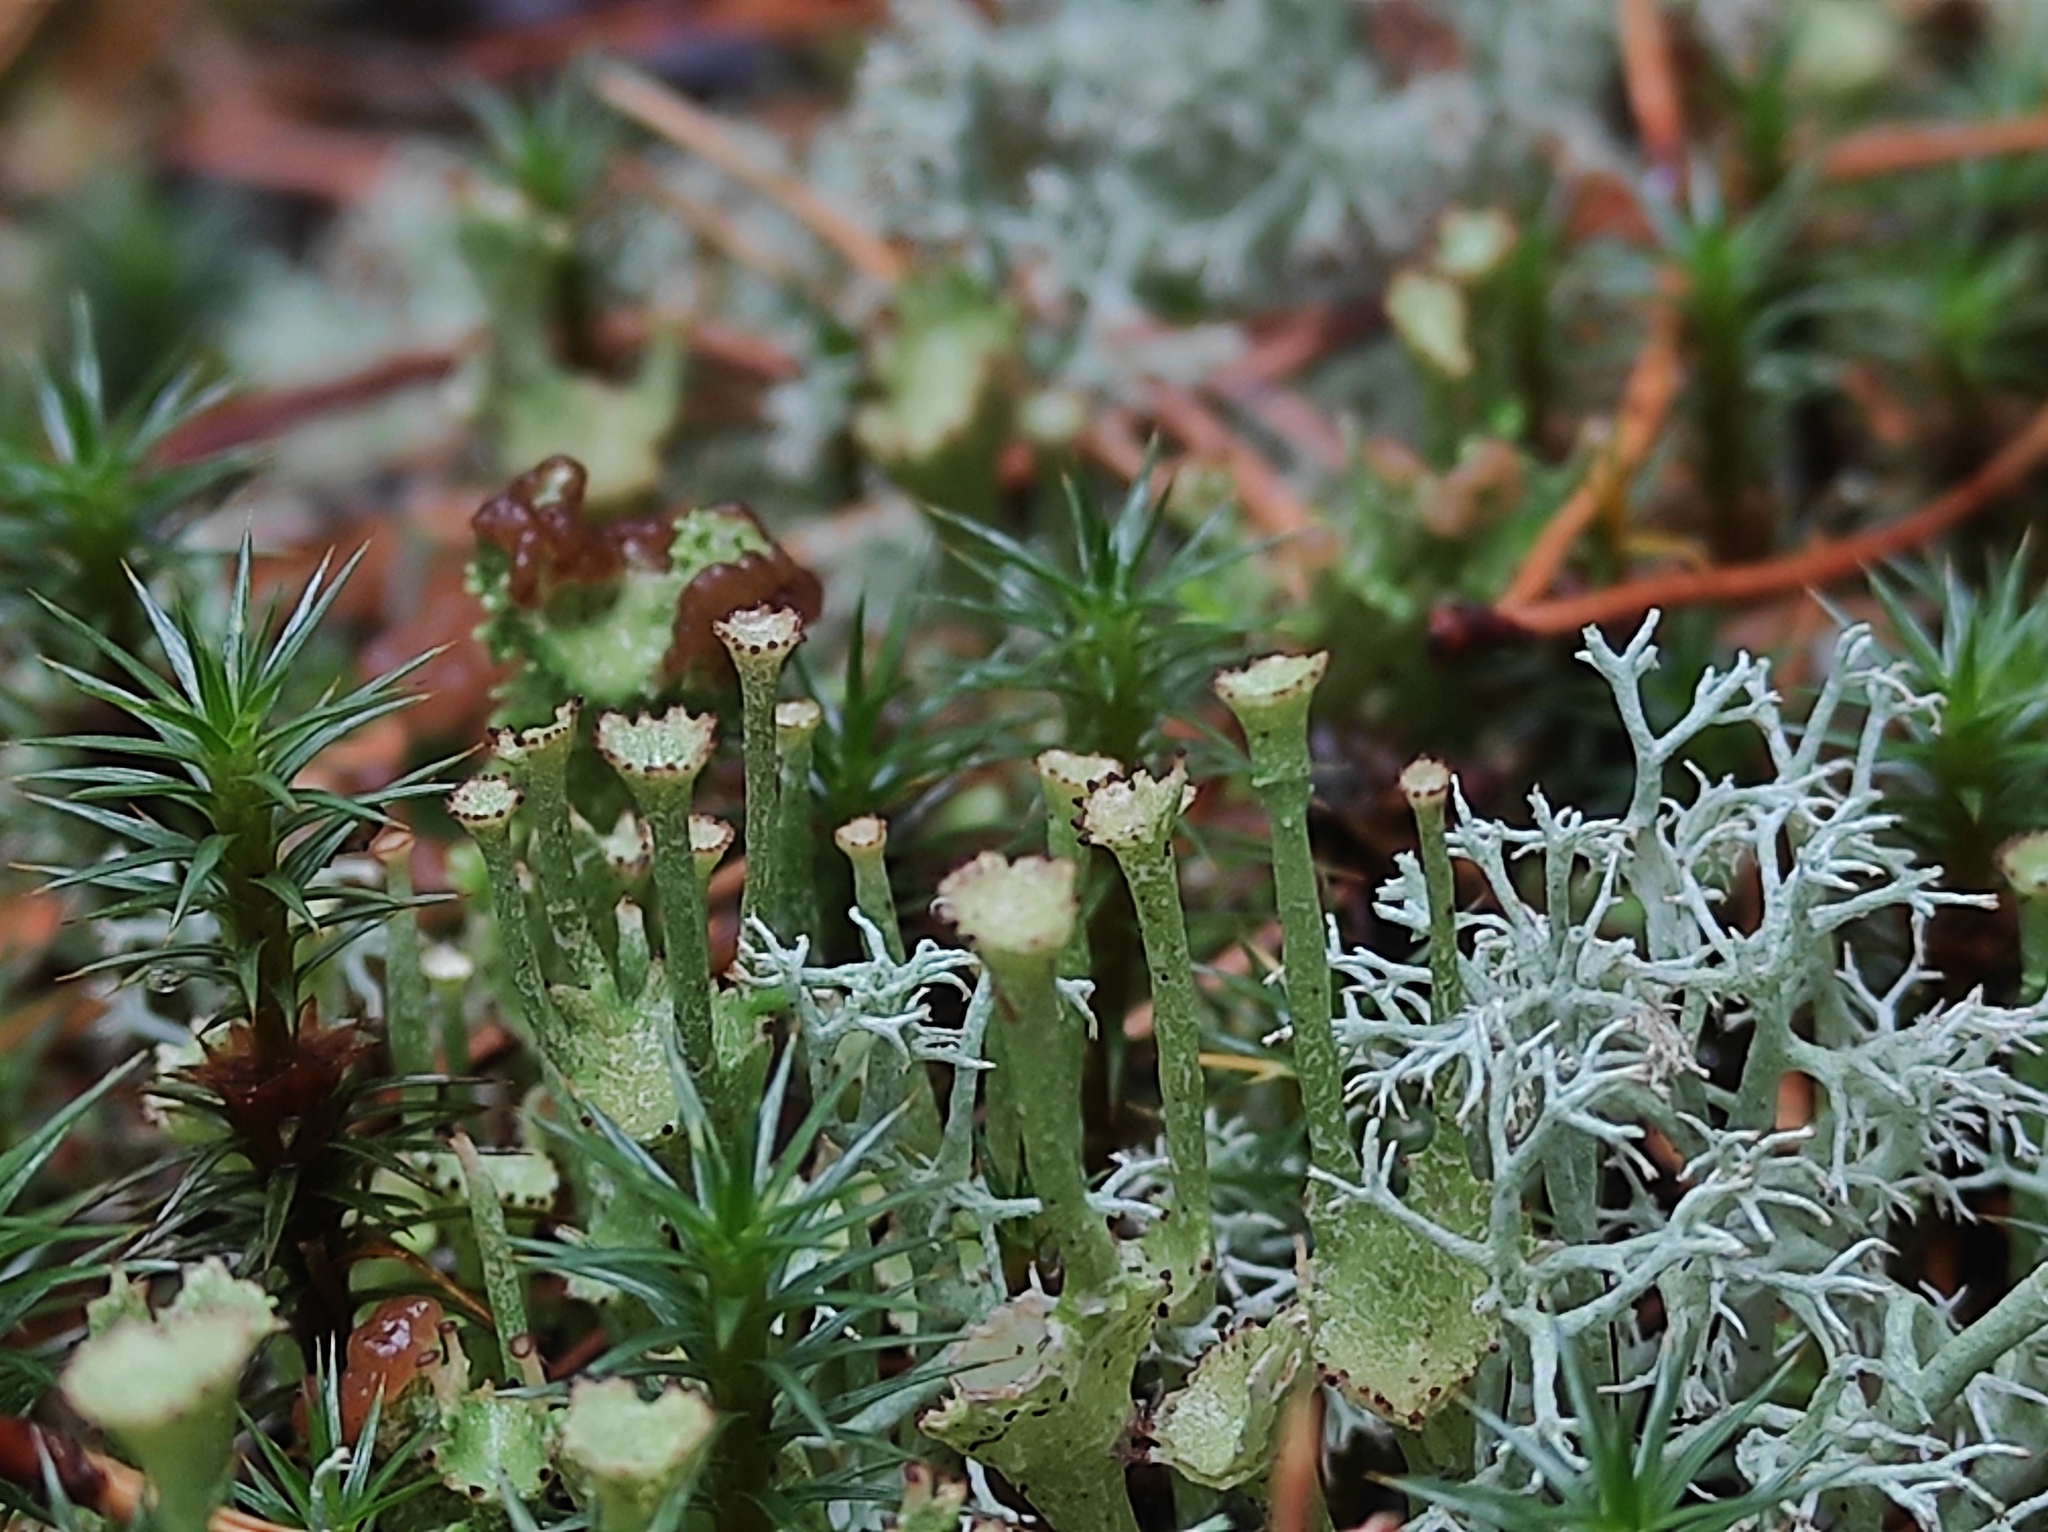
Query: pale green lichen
1041, 1392
166, 1389
710, 839
1221, 1428
491, 1443
610, 645
759, 639
1135, 819
930, 1504
628, 1456
1018, 916
660, 759
1012, 911
677, 743
864, 842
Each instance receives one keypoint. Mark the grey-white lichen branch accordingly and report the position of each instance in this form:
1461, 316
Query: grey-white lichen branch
1637, 990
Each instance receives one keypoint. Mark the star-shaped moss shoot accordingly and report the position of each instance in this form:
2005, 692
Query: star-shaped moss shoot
1017, 916
166, 1390
1134, 820
759, 639
628, 1456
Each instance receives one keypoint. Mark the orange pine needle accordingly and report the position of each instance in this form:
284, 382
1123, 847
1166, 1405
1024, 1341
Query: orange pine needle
688, 126
1645, 401
1652, 83
1895, 146
1818, 565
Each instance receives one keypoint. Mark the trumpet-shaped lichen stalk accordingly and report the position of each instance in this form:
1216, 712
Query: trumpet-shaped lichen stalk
1134, 821
1017, 916
710, 839
448, 970
538, 760
891, 1079
502, 1285
628, 1458
1427, 786
1271, 700
759, 639
2024, 863
660, 759
1065, 779
796, 723
165, 1389
408, 1014
485, 806
865, 843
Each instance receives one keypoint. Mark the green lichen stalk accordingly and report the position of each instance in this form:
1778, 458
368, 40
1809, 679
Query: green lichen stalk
1018, 916
795, 725
2024, 863
660, 759
864, 842
1134, 821
408, 1010
485, 806
1066, 778
710, 839
1271, 700
759, 640
1427, 785
629, 1458
538, 760
165, 1389
502, 1284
